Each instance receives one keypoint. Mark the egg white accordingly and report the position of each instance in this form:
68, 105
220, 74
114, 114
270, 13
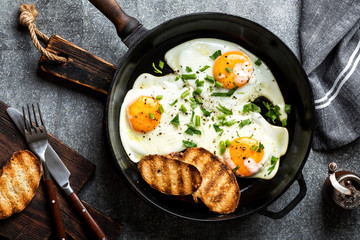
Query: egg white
167, 138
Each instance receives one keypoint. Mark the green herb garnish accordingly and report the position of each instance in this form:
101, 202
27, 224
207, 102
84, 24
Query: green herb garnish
175, 120
199, 83
161, 109
224, 110
218, 84
218, 129
227, 143
206, 112
188, 69
197, 91
273, 162
188, 76
204, 68
197, 120
210, 78
151, 116
215, 55
287, 108
159, 97
251, 107
235, 169
174, 102
184, 94
225, 94
283, 122
222, 147
189, 144
228, 70
258, 62
273, 111
183, 108
245, 122
161, 64
193, 130
155, 69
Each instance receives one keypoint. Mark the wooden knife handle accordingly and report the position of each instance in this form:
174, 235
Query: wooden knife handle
99, 234
55, 211
124, 24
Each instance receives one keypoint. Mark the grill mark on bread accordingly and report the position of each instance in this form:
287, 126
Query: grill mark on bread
169, 176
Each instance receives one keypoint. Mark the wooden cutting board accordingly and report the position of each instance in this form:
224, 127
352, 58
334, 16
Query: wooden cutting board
34, 222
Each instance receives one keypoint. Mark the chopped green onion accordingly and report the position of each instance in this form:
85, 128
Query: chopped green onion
273, 162
188, 69
273, 111
155, 69
174, 102
258, 62
206, 112
194, 130
199, 83
251, 107
161, 64
183, 108
227, 143
193, 105
198, 99
261, 147
204, 68
215, 55
189, 131
211, 88
161, 109
192, 116
224, 110
221, 116
175, 120
245, 122
197, 120
198, 91
235, 169
222, 147
287, 108
218, 129
188, 76
218, 84
189, 144
184, 94
151, 116
228, 70
159, 97
283, 122
177, 78
253, 147
225, 94
229, 123
210, 78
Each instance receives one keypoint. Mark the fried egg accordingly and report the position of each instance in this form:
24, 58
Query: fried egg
203, 103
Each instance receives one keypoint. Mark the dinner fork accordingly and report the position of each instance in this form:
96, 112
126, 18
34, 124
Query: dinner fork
37, 139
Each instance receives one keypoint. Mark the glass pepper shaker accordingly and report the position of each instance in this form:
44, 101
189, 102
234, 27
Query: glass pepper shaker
341, 189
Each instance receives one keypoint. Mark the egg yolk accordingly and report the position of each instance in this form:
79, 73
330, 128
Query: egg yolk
144, 114
246, 155
233, 69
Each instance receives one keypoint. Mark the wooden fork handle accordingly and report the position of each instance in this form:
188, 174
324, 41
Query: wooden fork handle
55, 211
95, 228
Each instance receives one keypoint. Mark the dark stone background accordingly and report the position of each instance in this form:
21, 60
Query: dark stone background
76, 118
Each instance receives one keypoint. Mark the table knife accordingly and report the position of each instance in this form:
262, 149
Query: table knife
61, 175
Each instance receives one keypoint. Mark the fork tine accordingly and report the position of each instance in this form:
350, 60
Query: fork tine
41, 119
30, 119
35, 118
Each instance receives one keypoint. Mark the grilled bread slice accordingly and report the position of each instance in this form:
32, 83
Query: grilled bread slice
219, 190
169, 176
19, 180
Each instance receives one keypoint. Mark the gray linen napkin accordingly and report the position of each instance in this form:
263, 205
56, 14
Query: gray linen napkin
330, 53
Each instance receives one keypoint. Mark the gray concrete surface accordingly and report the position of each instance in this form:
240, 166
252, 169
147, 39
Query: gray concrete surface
77, 118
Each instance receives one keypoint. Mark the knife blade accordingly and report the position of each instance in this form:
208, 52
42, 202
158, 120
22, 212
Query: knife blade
61, 175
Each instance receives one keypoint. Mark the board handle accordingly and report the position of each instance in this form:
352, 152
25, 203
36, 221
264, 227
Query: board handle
124, 24
92, 224
292, 204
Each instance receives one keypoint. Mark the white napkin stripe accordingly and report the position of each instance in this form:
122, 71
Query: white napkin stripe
340, 75
340, 86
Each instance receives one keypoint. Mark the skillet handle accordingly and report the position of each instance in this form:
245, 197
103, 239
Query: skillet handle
292, 204
124, 24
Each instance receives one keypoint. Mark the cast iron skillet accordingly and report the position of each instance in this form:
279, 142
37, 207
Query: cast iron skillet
146, 47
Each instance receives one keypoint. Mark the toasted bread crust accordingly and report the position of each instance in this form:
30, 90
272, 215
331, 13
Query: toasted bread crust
169, 176
219, 190
19, 180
